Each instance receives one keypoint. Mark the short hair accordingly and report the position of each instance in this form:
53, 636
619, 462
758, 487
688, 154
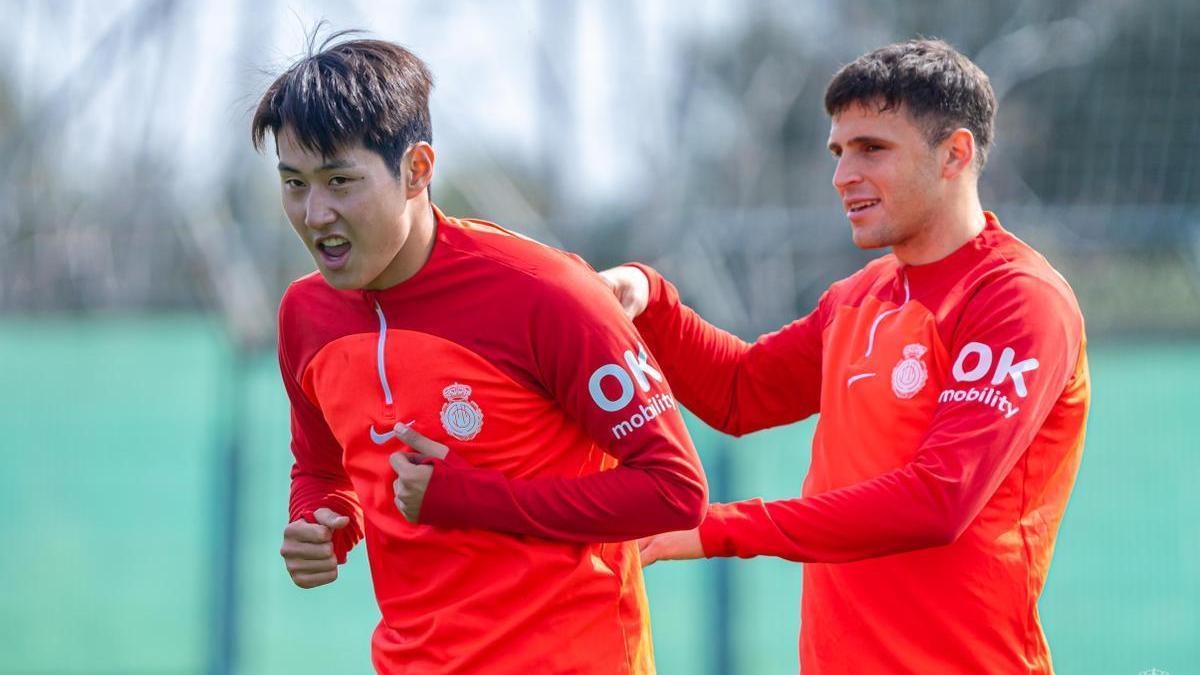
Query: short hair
344, 92
941, 90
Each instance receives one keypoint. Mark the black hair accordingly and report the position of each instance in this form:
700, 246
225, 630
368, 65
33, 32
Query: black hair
941, 90
347, 91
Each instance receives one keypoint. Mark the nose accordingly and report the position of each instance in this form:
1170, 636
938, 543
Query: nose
845, 174
318, 214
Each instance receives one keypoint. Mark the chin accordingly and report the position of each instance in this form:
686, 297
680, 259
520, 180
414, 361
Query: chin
868, 240
341, 281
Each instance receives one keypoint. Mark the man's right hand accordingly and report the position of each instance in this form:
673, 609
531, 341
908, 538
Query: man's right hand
308, 548
631, 287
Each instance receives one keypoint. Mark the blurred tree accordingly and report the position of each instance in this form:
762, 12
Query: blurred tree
1097, 140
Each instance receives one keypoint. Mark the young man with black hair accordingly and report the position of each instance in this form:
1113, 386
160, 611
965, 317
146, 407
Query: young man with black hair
952, 384
546, 437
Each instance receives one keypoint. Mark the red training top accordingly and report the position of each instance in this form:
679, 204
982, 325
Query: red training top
565, 444
952, 400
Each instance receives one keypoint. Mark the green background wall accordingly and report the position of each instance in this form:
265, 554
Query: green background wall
112, 490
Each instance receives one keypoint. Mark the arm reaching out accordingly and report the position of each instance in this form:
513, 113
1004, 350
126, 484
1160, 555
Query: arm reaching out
969, 449
734, 386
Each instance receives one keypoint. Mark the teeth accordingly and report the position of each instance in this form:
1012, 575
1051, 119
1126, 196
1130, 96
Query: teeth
862, 205
334, 241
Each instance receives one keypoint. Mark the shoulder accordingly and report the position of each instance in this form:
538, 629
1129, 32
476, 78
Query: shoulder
535, 270
1015, 297
862, 282
308, 298
551, 303
312, 313
1014, 273
304, 289
503, 246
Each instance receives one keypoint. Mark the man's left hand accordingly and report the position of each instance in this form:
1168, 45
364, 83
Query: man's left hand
679, 545
412, 477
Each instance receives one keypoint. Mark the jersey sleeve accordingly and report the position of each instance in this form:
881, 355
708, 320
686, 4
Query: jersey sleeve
318, 477
735, 387
590, 360
1016, 347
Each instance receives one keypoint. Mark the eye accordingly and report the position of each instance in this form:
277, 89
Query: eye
293, 183
871, 147
339, 181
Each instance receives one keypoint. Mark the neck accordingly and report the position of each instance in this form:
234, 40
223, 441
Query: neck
420, 224
951, 224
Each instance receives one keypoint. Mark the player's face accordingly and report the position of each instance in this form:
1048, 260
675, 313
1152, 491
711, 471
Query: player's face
348, 210
887, 175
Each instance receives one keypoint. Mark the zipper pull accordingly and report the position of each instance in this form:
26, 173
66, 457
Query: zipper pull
381, 361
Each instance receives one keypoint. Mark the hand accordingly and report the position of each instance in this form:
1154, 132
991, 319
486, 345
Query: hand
308, 548
679, 545
631, 287
412, 477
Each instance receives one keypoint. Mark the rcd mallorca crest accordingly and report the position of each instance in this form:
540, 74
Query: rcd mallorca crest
908, 377
461, 418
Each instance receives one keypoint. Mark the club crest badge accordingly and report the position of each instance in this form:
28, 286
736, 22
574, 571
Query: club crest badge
909, 376
461, 417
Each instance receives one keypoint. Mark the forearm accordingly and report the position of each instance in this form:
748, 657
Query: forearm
616, 505
927, 502
839, 526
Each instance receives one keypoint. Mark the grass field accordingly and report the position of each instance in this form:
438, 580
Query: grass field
110, 489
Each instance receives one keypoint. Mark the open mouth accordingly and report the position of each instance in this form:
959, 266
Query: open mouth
860, 206
334, 250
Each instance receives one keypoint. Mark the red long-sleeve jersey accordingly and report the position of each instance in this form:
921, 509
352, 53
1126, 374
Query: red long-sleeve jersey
565, 444
952, 400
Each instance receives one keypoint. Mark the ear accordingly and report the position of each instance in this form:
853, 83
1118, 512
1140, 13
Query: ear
959, 149
419, 161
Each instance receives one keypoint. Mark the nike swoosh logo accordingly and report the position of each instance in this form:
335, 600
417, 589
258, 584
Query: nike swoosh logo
379, 438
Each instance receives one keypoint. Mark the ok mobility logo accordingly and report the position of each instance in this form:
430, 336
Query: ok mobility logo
636, 369
1005, 369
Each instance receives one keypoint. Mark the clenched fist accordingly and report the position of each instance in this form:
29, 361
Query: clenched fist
308, 548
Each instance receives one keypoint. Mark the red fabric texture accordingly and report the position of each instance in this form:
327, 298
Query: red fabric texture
952, 399
522, 560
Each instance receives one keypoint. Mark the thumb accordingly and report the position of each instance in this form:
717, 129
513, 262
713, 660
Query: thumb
331, 519
401, 461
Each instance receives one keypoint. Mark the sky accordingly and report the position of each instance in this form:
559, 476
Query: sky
579, 88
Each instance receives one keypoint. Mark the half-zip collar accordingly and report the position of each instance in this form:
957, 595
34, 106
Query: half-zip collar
878, 319
937, 271
372, 298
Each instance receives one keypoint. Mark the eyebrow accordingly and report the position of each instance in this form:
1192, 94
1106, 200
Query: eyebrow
327, 166
860, 140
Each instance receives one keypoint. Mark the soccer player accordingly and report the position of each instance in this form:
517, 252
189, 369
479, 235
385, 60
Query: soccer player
952, 385
509, 548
